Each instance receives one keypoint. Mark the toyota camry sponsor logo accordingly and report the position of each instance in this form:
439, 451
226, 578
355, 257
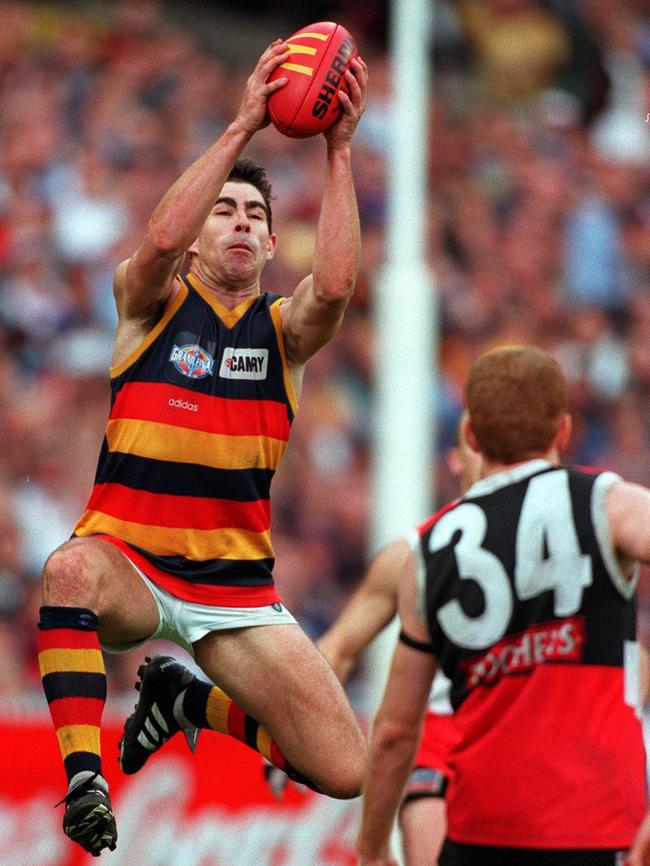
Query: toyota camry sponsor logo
244, 363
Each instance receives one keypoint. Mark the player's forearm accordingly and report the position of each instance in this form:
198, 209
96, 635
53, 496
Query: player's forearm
180, 214
391, 756
337, 248
369, 610
341, 661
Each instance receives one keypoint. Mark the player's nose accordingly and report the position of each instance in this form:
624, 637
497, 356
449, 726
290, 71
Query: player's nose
243, 223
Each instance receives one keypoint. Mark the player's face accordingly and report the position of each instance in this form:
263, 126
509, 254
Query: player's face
235, 243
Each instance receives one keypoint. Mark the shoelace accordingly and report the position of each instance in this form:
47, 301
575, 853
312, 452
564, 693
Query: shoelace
80, 788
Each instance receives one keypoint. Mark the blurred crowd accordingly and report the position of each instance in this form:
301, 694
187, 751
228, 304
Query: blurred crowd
538, 231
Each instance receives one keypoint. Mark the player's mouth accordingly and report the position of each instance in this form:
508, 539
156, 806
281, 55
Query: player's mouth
241, 246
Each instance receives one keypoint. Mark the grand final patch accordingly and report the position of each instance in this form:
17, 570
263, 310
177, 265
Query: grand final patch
192, 361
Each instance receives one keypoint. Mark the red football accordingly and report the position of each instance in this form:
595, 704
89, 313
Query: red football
309, 102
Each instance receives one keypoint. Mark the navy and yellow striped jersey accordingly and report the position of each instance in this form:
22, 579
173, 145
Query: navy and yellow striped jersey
200, 418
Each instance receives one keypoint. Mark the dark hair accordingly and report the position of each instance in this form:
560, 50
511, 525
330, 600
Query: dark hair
247, 171
516, 398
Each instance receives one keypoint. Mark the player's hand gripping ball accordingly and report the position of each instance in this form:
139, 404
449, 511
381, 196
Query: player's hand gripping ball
309, 104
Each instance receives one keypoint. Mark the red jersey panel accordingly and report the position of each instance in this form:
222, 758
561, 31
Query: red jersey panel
551, 759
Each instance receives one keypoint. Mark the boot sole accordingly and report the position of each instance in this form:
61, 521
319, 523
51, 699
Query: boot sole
95, 831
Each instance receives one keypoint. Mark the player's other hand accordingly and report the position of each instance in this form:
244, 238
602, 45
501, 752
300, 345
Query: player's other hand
253, 114
352, 106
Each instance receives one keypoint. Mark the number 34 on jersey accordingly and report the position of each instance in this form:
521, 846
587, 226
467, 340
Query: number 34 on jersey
547, 557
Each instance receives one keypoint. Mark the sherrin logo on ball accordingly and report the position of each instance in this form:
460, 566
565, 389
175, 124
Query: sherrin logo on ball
308, 104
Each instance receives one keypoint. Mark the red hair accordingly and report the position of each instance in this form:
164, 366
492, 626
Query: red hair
516, 398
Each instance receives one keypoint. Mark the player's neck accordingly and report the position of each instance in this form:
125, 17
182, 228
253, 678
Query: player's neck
493, 467
229, 296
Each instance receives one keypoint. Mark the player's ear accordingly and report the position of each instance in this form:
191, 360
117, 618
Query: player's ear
563, 435
454, 461
271, 245
468, 434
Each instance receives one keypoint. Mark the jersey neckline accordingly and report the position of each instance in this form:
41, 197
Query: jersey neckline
507, 476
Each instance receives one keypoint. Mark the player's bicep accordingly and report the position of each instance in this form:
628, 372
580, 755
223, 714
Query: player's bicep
144, 282
375, 602
408, 687
308, 321
409, 603
412, 669
628, 514
370, 609
365, 615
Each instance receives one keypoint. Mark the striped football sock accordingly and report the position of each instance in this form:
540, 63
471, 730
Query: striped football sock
207, 706
74, 682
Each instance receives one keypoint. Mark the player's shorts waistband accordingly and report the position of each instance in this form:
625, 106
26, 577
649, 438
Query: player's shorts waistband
184, 622
212, 595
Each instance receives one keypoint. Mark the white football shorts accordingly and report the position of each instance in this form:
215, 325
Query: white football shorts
184, 622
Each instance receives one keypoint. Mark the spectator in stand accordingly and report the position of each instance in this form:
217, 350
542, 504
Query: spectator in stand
519, 45
130, 97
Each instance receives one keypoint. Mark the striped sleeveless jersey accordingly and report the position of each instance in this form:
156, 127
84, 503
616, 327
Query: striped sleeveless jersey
200, 418
533, 621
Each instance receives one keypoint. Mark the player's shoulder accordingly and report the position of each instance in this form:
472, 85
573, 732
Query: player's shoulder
590, 476
270, 298
579, 469
394, 554
428, 524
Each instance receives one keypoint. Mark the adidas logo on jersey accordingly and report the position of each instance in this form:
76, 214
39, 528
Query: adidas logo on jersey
183, 404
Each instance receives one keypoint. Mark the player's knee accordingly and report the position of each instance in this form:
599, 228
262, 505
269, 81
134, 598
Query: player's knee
344, 780
345, 786
68, 576
346, 790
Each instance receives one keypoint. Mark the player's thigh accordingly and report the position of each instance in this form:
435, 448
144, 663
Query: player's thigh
279, 677
423, 824
93, 573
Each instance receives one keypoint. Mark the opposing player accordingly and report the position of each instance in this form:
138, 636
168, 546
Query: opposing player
422, 809
175, 539
371, 608
523, 594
